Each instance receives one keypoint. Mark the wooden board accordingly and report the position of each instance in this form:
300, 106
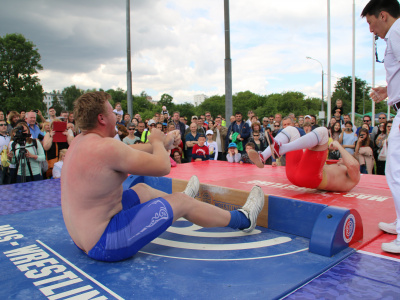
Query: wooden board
226, 198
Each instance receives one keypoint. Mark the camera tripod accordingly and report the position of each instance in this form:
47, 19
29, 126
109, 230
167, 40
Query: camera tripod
23, 162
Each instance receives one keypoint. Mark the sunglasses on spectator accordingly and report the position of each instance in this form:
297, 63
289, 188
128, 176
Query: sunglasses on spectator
3, 124
131, 128
365, 121
276, 125
256, 135
382, 117
152, 125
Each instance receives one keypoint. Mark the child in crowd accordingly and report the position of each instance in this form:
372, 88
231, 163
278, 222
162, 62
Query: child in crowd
164, 112
200, 151
58, 165
338, 107
233, 155
212, 145
245, 157
118, 109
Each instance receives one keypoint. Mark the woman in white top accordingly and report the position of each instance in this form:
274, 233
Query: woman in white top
58, 165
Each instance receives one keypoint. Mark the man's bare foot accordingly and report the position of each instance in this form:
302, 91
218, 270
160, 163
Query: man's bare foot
256, 158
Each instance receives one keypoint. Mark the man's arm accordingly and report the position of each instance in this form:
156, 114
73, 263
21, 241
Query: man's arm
42, 119
125, 159
353, 167
379, 94
171, 141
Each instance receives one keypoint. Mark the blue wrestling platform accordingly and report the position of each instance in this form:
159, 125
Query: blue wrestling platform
38, 260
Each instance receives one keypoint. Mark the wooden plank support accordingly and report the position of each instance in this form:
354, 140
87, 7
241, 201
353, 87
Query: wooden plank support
226, 198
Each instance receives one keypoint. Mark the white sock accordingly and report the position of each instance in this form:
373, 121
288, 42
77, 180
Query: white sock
281, 138
305, 142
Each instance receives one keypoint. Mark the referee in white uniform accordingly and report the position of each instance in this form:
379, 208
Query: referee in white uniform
383, 19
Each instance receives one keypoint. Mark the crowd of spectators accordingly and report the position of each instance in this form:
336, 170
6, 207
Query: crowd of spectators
204, 137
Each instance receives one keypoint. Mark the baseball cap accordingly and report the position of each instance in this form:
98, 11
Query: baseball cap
232, 145
151, 121
209, 132
201, 135
307, 116
194, 117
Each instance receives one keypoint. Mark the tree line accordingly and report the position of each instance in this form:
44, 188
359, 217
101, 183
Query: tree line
20, 89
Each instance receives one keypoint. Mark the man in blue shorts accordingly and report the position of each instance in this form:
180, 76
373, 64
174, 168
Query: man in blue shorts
110, 224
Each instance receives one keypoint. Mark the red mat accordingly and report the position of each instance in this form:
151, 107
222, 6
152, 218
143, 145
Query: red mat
371, 197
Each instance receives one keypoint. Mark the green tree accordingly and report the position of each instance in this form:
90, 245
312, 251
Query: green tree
185, 109
19, 62
56, 104
142, 106
70, 94
343, 90
166, 100
119, 95
214, 104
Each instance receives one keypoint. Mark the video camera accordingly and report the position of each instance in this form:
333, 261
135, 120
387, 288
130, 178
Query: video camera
20, 136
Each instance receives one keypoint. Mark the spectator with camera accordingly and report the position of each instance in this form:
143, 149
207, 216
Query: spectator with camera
348, 138
363, 152
31, 160
380, 146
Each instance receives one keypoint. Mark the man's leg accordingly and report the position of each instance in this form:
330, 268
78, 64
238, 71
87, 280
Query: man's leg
289, 140
316, 140
284, 137
393, 179
146, 192
140, 223
207, 215
201, 213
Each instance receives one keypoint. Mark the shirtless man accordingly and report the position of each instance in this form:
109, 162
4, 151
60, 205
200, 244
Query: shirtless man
110, 224
307, 168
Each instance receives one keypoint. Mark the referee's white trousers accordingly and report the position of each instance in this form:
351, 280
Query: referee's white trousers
393, 167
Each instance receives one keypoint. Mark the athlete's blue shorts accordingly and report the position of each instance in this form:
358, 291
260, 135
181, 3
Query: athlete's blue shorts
132, 228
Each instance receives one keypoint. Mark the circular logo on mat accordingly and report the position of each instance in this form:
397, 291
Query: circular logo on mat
185, 240
349, 228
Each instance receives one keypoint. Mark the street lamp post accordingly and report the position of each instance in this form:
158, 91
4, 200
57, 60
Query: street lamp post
322, 79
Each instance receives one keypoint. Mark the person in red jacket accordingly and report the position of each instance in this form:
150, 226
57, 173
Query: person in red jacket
200, 151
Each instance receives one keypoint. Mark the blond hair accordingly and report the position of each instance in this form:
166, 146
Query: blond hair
62, 152
87, 107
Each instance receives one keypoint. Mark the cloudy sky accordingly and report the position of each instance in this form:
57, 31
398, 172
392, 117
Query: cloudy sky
178, 45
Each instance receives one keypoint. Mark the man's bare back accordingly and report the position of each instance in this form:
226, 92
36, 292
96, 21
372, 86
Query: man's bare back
336, 179
91, 189
344, 175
